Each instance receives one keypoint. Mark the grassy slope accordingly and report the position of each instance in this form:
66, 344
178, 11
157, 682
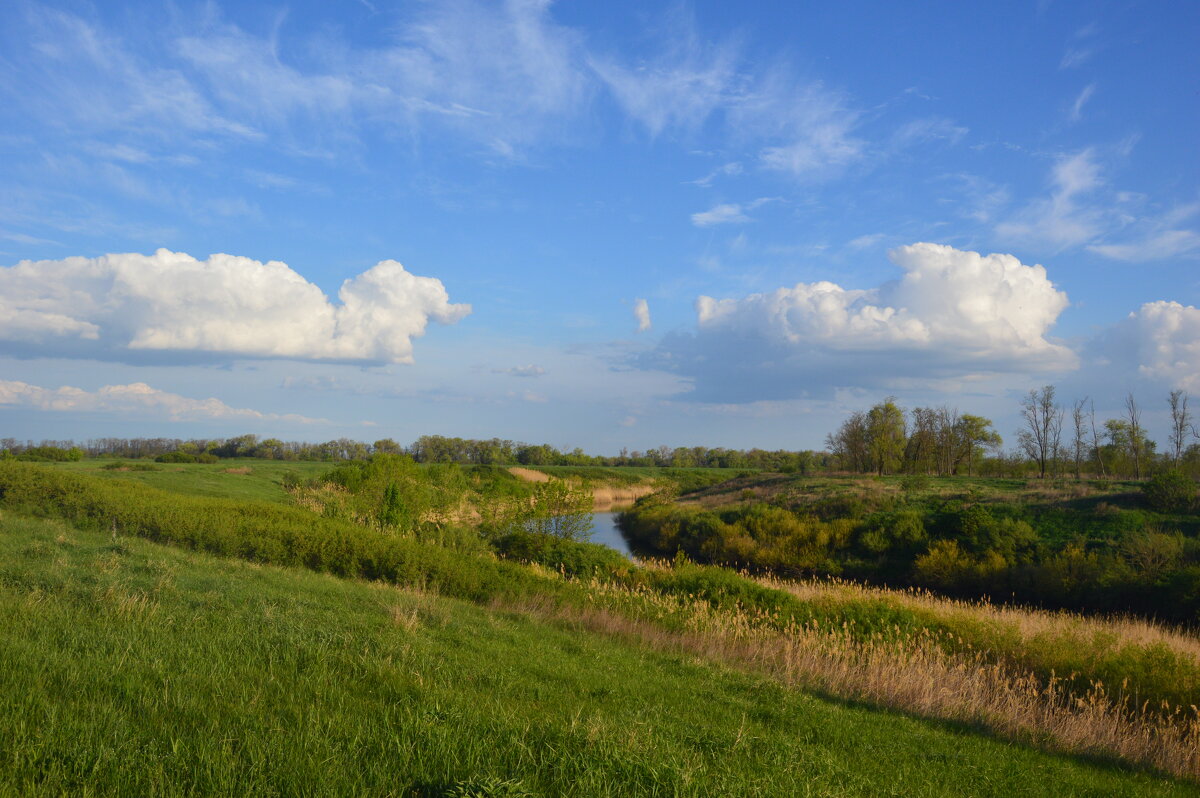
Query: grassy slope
132, 668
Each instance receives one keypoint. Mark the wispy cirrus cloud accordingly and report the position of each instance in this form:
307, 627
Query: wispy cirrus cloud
1067, 217
1076, 112
723, 213
1158, 238
528, 370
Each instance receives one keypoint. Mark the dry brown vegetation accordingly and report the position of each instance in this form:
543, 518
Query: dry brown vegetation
912, 672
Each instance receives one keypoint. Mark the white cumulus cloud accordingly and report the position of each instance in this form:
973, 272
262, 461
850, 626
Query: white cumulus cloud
137, 397
1160, 341
641, 312
124, 305
953, 313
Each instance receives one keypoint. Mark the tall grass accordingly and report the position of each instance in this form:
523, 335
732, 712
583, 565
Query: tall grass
1142, 661
906, 670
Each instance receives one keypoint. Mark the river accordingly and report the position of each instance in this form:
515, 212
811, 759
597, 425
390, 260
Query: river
604, 531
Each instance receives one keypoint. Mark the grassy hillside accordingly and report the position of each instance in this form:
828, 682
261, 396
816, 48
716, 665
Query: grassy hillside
133, 668
1000, 671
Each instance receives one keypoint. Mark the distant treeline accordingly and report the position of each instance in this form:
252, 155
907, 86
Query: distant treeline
1053, 441
426, 449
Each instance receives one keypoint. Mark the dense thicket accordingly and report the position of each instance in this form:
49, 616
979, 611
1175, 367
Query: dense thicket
1116, 555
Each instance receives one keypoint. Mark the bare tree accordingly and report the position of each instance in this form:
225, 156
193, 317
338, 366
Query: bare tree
1096, 440
1043, 427
1134, 414
1079, 439
1181, 423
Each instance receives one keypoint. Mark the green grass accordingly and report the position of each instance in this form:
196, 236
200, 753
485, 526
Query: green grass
130, 668
281, 535
262, 483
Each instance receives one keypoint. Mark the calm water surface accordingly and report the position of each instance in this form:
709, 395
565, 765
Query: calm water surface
604, 530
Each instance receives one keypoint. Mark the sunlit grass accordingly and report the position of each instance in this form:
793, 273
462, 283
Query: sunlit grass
129, 668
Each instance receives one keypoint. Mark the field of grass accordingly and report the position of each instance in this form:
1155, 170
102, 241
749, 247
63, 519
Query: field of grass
242, 478
131, 668
998, 671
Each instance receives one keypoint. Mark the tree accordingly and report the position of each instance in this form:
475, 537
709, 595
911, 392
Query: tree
1079, 438
1181, 424
850, 443
886, 433
1043, 427
1096, 440
562, 510
921, 451
973, 434
1136, 436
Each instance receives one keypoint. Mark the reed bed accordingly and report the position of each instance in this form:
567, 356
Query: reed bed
910, 671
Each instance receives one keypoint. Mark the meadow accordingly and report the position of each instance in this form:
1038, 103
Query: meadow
1109, 700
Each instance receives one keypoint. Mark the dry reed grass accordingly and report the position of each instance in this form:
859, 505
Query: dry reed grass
1026, 623
909, 672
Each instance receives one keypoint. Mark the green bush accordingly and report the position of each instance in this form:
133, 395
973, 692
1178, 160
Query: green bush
1169, 492
576, 558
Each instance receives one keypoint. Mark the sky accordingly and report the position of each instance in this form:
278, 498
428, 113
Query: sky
606, 225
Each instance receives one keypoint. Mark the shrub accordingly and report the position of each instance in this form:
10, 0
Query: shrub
573, 557
1170, 491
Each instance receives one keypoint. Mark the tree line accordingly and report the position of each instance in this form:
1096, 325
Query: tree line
426, 449
1053, 441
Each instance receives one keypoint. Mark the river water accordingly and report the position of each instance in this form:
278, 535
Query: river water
604, 531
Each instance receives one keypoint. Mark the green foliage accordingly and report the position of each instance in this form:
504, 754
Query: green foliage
988, 541
1170, 492
136, 669
259, 531
572, 557
56, 454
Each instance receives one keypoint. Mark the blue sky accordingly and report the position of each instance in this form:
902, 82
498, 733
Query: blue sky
605, 225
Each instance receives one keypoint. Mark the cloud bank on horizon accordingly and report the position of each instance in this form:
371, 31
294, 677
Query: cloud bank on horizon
116, 306
137, 399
